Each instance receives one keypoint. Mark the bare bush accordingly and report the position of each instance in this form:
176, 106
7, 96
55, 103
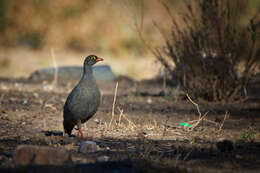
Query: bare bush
209, 45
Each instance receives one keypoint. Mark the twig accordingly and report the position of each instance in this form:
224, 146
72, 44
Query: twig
120, 116
105, 129
165, 125
54, 83
187, 155
201, 117
130, 122
222, 124
197, 106
199, 120
113, 107
211, 121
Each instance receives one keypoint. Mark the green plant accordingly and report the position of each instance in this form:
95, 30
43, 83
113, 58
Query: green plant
248, 136
208, 47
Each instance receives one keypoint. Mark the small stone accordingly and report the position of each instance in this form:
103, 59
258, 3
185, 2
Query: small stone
27, 116
25, 102
88, 147
149, 100
103, 159
25, 155
96, 121
36, 95
238, 156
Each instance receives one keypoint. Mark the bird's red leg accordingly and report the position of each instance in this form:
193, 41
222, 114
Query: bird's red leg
80, 133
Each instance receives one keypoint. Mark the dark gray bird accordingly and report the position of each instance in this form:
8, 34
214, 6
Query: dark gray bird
83, 101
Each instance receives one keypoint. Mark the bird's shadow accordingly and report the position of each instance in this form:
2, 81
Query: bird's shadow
55, 133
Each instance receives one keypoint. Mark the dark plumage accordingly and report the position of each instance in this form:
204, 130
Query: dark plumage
83, 101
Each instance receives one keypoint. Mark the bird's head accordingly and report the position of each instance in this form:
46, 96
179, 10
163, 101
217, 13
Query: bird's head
91, 60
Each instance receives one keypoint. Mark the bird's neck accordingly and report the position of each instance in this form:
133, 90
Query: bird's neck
87, 72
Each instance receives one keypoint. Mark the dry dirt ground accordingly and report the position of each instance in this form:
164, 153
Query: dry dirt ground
145, 128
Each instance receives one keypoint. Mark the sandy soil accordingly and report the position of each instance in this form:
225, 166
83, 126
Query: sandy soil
144, 124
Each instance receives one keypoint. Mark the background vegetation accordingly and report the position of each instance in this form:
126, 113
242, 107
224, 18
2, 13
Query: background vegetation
211, 47
214, 51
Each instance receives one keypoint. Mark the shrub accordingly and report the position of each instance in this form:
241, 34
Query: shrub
33, 39
209, 47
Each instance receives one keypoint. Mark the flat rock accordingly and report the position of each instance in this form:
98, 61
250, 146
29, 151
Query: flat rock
25, 155
65, 74
88, 147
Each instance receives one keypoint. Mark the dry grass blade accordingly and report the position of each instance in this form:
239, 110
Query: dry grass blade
113, 107
130, 122
198, 121
195, 123
165, 126
54, 82
222, 124
197, 106
188, 154
120, 115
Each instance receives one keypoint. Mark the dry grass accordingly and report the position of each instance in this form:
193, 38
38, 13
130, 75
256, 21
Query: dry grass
113, 107
55, 79
201, 117
122, 125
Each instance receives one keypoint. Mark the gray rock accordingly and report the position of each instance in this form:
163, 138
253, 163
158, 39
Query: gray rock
103, 159
101, 73
25, 155
88, 147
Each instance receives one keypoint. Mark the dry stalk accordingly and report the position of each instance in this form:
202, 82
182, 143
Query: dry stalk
113, 107
105, 129
177, 159
225, 117
199, 120
165, 126
129, 121
54, 82
201, 117
195, 104
188, 154
164, 81
120, 116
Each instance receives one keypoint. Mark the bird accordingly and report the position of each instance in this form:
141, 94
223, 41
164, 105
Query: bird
84, 99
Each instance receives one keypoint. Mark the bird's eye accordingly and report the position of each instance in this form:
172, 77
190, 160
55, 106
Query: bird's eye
93, 58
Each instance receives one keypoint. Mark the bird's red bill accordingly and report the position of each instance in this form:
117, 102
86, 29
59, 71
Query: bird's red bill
100, 59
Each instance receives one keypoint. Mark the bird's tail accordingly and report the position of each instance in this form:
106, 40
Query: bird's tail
68, 126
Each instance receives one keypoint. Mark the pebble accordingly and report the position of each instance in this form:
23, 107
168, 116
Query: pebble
238, 156
149, 100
